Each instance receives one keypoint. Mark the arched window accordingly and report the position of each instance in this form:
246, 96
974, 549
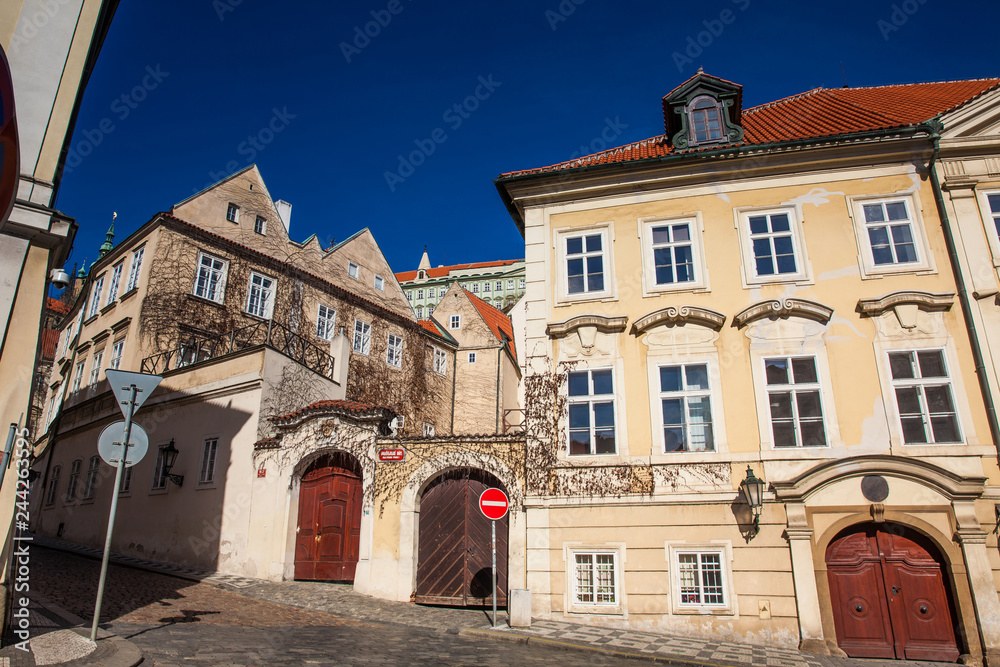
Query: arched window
74, 477
50, 497
705, 120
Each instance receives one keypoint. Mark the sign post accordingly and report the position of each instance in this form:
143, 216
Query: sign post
493, 503
126, 386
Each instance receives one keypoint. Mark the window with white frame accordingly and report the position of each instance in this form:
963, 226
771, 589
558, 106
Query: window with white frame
705, 121
794, 400
126, 483
420, 312
95, 368
116, 277
78, 376
74, 478
428, 430
352, 270
420, 294
584, 257
326, 318
117, 350
260, 295
394, 350
443, 291
924, 397
455, 322
95, 299
772, 242
889, 229
499, 286
672, 256
700, 578
520, 283
362, 337
90, 481
260, 225
233, 213
993, 200
440, 362
510, 283
210, 283
486, 286
475, 288
134, 269
50, 496
409, 296
159, 476
595, 578
207, 474
430, 310
379, 283
592, 412
686, 408
472, 357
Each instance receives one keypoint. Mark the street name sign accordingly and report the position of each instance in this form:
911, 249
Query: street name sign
387, 454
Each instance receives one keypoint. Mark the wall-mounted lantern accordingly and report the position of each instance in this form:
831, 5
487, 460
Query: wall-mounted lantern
753, 492
169, 458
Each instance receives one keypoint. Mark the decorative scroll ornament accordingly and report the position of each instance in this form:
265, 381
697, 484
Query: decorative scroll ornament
783, 308
679, 315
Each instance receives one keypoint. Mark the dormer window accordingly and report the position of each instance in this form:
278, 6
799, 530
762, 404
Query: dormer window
705, 114
421, 275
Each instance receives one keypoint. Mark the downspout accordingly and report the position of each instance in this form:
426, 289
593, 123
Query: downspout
934, 129
454, 376
499, 356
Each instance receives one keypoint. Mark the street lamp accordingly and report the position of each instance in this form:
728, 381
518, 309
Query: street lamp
753, 492
169, 457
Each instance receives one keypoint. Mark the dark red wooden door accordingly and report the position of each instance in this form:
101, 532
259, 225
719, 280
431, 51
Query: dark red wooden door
454, 556
888, 594
329, 534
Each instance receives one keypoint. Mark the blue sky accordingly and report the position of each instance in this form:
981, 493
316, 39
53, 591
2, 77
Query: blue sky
349, 108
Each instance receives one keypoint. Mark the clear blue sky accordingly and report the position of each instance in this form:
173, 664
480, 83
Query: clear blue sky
210, 86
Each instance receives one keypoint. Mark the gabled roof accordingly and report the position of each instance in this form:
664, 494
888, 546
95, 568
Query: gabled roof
442, 271
498, 323
814, 114
434, 327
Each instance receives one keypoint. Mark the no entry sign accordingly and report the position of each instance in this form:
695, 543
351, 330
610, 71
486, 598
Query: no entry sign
493, 504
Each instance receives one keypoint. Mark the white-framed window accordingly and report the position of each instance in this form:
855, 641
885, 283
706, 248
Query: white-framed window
95, 298
95, 368
208, 454
440, 362
50, 495
352, 270
420, 294
126, 483
260, 295
135, 269
475, 288
520, 283
394, 350
499, 286
159, 475
795, 401
210, 283
585, 265
455, 322
430, 310
989, 202
116, 277
595, 578
705, 121
472, 357
890, 235
379, 283
117, 350
420, 312
78, 376
510, 283
924, 398
428, 430
362, 337
444, 291
592, 412
487, 287
673, 257
233, 213
772, 245
74, 478
90, 481
701, 577
409, 296
260, 225
326, 318
686, 408
993, 202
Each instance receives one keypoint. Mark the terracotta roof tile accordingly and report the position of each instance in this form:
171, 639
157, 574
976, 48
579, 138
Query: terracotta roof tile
442, 271
815, 114
56, 306
50, 340
496, 321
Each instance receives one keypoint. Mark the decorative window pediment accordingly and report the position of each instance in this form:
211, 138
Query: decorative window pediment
678, 315
783, 308
926, 301
598, 322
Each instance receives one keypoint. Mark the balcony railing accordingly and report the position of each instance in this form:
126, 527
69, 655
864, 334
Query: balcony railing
513, 420
266, 334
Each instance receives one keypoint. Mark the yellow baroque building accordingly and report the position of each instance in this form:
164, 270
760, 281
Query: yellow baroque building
770, 294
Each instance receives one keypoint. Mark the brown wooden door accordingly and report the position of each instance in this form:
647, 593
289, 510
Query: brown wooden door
329, 534
888, 595
454, 556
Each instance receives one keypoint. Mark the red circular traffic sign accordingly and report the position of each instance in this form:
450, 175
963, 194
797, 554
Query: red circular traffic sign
493, 504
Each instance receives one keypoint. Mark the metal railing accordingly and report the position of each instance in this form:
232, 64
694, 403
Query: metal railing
513, 420
260, 334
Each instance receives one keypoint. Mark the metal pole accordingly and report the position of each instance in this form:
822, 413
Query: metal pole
111, 519
6, 452
494, 572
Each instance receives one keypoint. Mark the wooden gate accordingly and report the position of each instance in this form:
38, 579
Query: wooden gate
454, 558
329, 529
888, 594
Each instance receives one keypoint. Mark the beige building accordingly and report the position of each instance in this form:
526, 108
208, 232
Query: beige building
769, 290
51, 48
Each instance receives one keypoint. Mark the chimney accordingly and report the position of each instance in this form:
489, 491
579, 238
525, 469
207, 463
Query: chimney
284, 212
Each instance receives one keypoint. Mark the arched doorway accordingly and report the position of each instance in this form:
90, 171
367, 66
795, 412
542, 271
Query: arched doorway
454, 557
887, 588
329, 528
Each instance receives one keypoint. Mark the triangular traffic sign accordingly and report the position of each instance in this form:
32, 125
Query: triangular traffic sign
121, 383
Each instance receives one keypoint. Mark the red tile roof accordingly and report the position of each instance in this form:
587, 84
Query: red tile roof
50, 340
815, 114
342, 406
442, 271
56, 306
495, 320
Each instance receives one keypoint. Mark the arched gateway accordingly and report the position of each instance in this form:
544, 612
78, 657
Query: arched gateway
328, 539
454, 559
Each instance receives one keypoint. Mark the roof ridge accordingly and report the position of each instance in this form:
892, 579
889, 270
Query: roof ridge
767, 105
919, 83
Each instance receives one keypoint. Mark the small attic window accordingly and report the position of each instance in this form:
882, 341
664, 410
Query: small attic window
705, 120
352, 270
421, 275
233, 213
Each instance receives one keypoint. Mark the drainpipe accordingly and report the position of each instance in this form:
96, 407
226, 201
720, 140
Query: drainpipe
933, 128
497, 410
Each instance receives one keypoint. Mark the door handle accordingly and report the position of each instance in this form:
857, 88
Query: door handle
318, 536
895, 590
